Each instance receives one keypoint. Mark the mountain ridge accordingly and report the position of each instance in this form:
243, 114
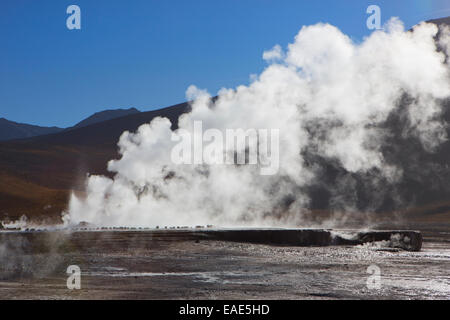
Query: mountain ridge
11, 130
104, 115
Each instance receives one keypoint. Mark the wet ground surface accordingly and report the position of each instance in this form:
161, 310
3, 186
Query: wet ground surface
140, 265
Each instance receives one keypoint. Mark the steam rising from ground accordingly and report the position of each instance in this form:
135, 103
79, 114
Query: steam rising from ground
328, 96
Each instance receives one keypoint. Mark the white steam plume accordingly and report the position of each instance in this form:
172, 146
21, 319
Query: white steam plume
325, 94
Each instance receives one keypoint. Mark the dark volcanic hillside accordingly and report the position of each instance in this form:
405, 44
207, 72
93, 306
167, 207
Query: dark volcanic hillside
440, 21
10, 130
37, 174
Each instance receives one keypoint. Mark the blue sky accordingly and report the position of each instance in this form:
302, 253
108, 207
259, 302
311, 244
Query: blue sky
145, 53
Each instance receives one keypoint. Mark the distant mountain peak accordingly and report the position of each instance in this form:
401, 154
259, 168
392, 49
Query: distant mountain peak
104, 115
10, 130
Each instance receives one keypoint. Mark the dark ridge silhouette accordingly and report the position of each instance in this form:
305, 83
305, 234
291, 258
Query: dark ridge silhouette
10, 130
441, 21
108, 132
104, 116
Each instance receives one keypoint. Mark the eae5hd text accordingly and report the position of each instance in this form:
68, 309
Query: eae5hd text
226, 309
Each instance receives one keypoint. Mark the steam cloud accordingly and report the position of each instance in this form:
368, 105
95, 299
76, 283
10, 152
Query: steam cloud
329, 97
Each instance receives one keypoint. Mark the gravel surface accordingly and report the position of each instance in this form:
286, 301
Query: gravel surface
140, 265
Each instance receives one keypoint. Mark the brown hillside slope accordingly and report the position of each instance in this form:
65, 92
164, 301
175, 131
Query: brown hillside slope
38, 174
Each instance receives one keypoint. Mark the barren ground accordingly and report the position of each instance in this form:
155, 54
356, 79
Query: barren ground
138, 265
